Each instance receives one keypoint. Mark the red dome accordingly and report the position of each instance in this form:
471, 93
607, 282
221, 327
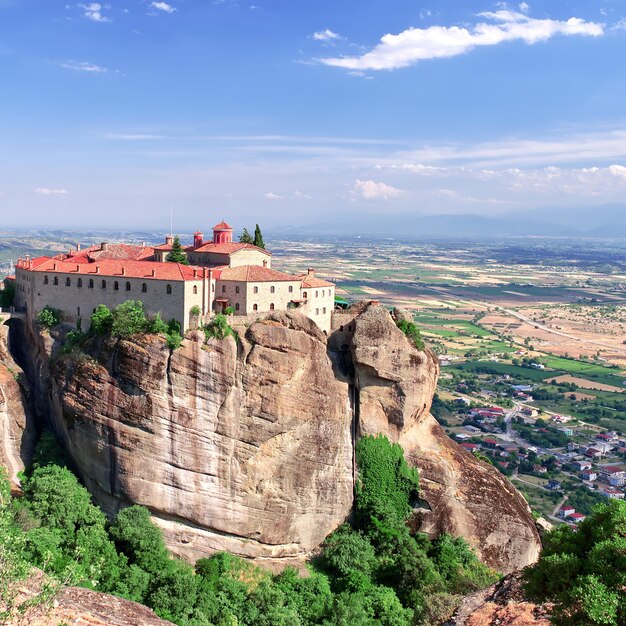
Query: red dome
222, 226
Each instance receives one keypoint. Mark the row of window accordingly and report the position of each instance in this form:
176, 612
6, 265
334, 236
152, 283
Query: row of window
103, 284
256, 289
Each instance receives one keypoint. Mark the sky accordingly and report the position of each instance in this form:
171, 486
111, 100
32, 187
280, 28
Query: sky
292, 112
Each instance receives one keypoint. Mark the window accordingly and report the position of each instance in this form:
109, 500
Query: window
317, 311
237, 306
195, 290
317, 294
304, 295
324, 310
255, 307
256, 290
68, 282
290, 288
272, 306
116, 286
272, 289
127, 286
104, 284
80, 282
45, 280
223, 288
168, 289
340, 328
144, 288
237, 289
91, 283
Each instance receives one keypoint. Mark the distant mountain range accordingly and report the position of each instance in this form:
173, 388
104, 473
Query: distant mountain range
603, 221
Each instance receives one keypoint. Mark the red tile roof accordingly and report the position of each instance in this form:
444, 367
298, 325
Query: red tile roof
228, 248
253, 274
310, 281
118, 268
222, 226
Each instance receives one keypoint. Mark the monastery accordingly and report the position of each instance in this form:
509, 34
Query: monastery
221, 274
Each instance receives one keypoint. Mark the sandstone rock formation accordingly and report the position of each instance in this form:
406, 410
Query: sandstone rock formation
247, 446
238, 446
467, 497
16, 430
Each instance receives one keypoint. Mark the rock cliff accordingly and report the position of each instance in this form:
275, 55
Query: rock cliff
247, 445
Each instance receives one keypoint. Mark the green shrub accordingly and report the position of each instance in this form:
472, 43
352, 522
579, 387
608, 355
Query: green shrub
195, 310
7, 294
412, 332
174, 340
229, 310
49, 317
218, 328
101, 320
156, 325
129, 319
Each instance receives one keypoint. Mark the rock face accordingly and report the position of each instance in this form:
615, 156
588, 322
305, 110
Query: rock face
238, 446
247, 446
467, 497
16, 430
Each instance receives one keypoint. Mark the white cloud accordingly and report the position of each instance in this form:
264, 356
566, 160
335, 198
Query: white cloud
163, 6
300, 195
93, 11
417, 44
523, 7
617, 170
272, 196
371, 190
84, 66
325, 35
46, 191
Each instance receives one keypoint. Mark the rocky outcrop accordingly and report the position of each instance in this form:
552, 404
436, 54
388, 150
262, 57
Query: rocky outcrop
241, 446
247, 445
16, 429
466, 497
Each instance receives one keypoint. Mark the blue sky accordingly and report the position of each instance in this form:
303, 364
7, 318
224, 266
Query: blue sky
285, 111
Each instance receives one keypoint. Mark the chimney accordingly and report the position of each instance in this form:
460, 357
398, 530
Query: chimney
195, 273
54, 266
264, 263
77, 267
104, 245
123, 271
78, 247
143, 244
311, 271
97, 269
169, 240
153, 273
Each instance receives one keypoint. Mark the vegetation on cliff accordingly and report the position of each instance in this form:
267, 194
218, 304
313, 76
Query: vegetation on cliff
374, 573
583, 571
412, 332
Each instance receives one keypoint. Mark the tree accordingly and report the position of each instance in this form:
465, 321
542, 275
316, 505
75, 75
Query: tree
48, 317
7, 294
258, 238
177, 254
129, 319
101, 320
246, 237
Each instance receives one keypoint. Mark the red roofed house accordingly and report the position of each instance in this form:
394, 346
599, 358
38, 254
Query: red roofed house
221, 274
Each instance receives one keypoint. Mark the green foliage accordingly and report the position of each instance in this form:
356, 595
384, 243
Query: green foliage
584, 571
101, 320
246, 237
156, 325
174, 341
194, 310
229, 310
49, 317
218, 328
48, 451
129, 319
177, 254
412, 332
258, 238
7, 294
386, 485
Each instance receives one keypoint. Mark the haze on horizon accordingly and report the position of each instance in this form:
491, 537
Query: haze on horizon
282, 112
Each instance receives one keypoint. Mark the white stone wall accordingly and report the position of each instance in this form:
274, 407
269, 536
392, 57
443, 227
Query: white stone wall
73, 300
264, 294
319, 305
236, 293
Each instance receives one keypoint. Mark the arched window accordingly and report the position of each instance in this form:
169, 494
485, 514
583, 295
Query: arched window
80, 282
304, 295
144, 288
272, 306
223, 288
290, 288
256, 290
104, 284
56, 280
237, 289
169, 289
116, 286
323, 293
237, 306
255, 307
272, 289
316, 294
127, 286
195, 290
45, 280
68, 282
91, 283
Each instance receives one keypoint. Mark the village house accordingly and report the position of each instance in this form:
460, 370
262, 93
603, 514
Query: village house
223, 276
589, 475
